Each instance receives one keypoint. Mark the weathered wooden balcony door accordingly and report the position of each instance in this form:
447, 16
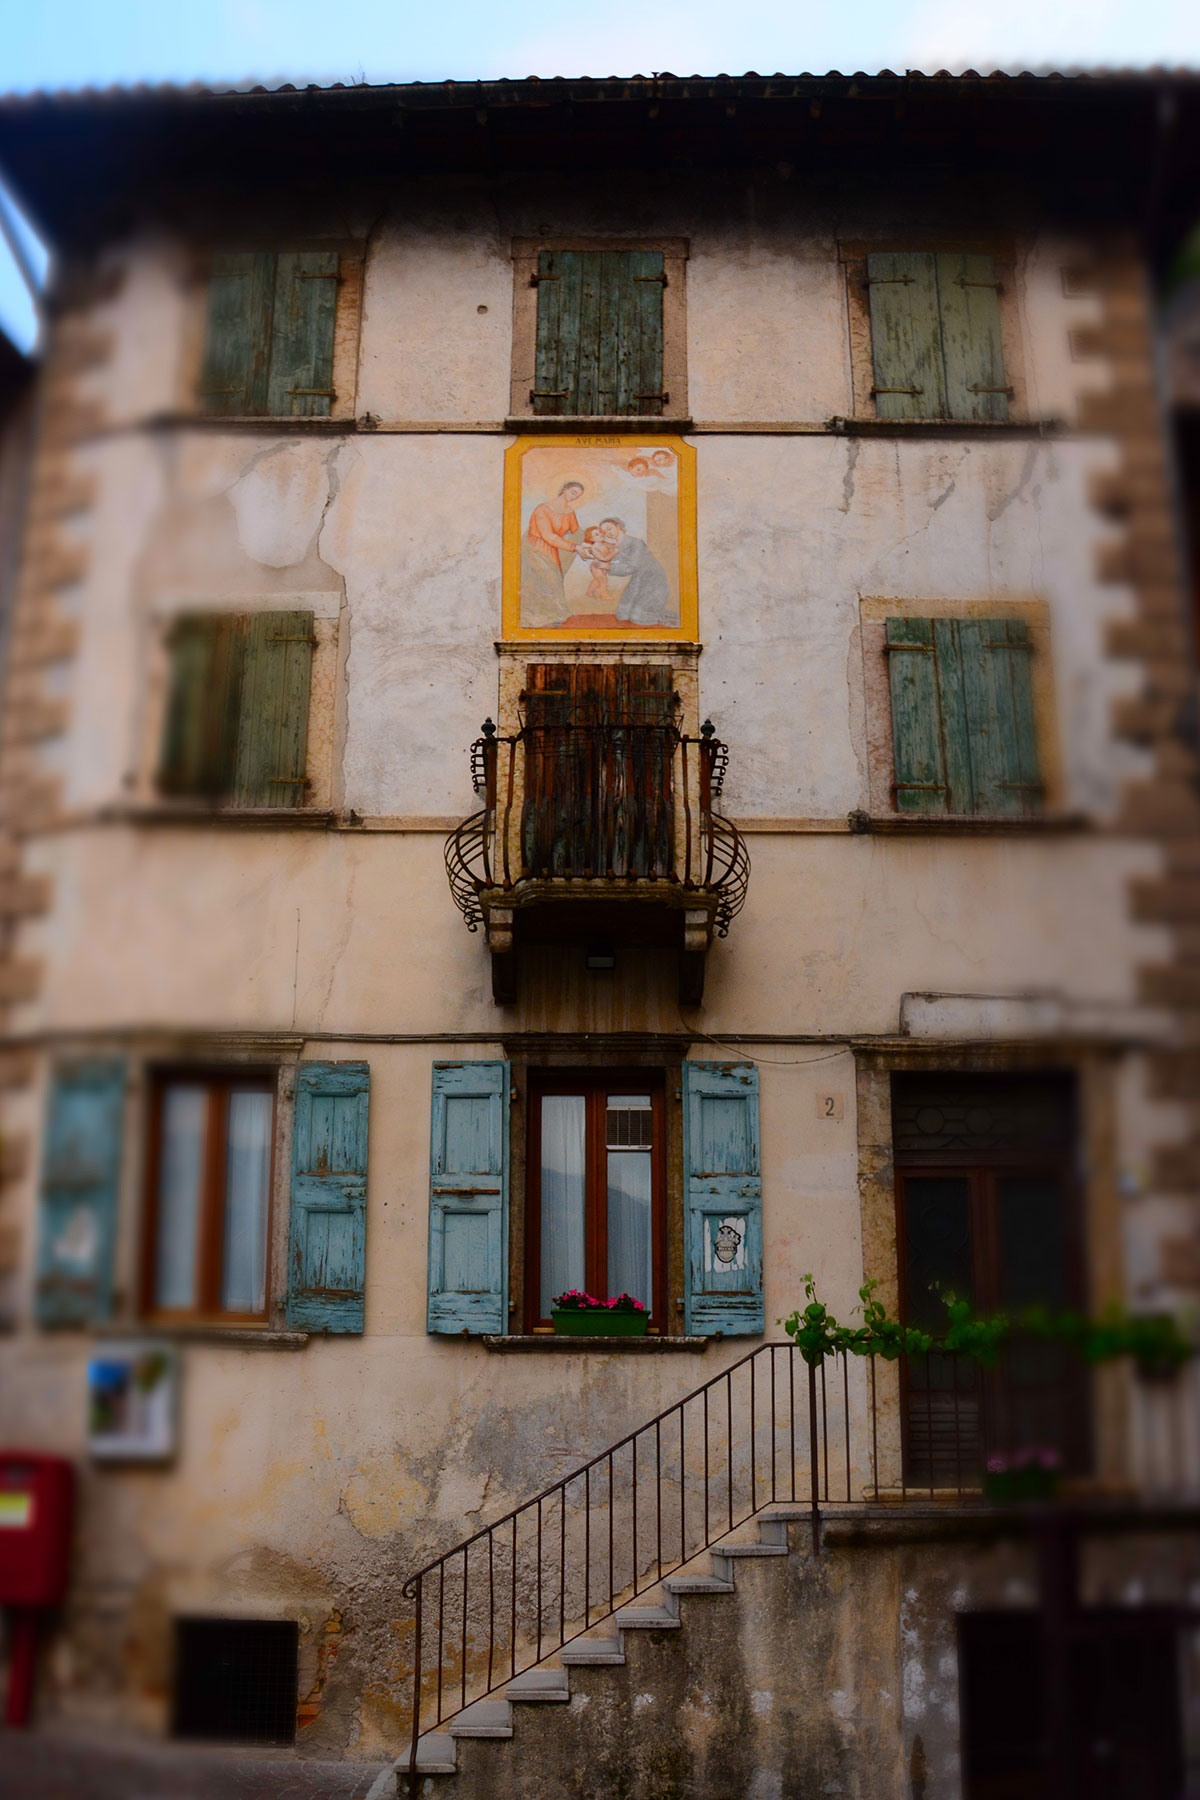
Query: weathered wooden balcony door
599, 746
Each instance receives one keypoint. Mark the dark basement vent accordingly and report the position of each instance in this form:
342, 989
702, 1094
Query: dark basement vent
235, 1680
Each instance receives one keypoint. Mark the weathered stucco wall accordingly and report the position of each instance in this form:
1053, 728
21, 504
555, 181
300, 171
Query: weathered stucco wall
313, 1479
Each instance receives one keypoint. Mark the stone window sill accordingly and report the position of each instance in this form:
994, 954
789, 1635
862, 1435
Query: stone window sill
968, 824
259, 1337
622, 1346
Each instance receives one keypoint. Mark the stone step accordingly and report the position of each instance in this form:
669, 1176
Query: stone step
697, 1584
436, 1755
484, 1719
646, 1618
539, 1684
587, 1653
728, 1550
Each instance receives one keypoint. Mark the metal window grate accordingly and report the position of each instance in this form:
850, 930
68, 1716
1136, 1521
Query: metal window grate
235, 1680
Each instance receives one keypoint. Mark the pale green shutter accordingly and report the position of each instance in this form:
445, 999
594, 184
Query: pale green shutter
238, 341
723, 1281
327, 1226
906, 335
599, 332
973, 356
468, 1199
301, 378
919, 762
1002, 742
273, 728
200, 727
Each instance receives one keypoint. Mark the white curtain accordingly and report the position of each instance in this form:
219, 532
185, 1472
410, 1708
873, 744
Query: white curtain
247, 1178
184, 1117
629, 1217
564, 1120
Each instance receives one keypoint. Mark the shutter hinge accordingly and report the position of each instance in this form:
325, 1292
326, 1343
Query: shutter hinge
304, 638
549, 393
1024, 645
919, 787
326, 393
919, 649
661, 279
334, 276
890, 280
977, 388
898, 390
664, 397
962, 282
535, 280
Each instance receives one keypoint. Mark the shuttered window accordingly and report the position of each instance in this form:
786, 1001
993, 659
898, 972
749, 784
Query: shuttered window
269, 343
935, 336
962, 716
81, 1163
236, 726
599, 333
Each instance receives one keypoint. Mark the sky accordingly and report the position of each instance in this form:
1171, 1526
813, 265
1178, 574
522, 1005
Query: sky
79, 43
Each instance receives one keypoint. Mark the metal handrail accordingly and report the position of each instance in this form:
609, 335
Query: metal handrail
557, 1565
705, 851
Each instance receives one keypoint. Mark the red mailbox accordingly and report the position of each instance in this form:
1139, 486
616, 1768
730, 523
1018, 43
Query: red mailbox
36, 1502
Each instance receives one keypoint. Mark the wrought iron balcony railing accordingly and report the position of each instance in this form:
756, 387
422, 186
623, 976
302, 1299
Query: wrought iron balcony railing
605, 811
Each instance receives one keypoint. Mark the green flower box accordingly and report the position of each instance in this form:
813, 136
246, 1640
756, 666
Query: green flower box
589, 1321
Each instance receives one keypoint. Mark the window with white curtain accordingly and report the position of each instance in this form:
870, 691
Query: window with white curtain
595, 1217
209, 1194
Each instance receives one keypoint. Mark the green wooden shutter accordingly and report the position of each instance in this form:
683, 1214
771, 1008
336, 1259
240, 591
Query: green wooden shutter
723, 1293
81, 1166
468, 1199
906, 345
301, 377
272, 739
327, 1227
237, 349
973, 357
1000, 733
918, 756
599, 332
200, 730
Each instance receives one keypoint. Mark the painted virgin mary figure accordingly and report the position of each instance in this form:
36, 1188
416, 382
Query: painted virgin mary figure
550, 544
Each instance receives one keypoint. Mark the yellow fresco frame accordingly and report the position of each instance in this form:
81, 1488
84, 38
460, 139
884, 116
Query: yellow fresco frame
686, 632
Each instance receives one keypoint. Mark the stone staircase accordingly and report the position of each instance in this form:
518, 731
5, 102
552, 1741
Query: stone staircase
603, 1701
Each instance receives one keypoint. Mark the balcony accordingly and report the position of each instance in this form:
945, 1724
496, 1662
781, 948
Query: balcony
598, 830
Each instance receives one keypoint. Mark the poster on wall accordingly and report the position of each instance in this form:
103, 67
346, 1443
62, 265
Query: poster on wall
600, 538
131, 1402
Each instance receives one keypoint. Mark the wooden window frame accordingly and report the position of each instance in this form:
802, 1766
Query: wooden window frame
222, 1081
981, 1169
853, 254
347, 328
674, 252
596, 1083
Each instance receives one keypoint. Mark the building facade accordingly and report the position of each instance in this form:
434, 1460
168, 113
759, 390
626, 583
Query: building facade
822, 883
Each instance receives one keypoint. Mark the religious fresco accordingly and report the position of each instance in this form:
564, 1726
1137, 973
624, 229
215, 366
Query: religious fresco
600, 538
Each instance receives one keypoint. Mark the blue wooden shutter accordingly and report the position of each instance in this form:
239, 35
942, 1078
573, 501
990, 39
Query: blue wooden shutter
906, 338
722, 1200
468, 1198
328, 1222
81, 1166
237, 350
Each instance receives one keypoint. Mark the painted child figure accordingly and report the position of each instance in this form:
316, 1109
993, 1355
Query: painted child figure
600, 552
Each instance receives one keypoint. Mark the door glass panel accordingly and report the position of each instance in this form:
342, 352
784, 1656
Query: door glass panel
1040, 1399
629, 1138
942, 1404
247, 1177
564, 1123
184, 1119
